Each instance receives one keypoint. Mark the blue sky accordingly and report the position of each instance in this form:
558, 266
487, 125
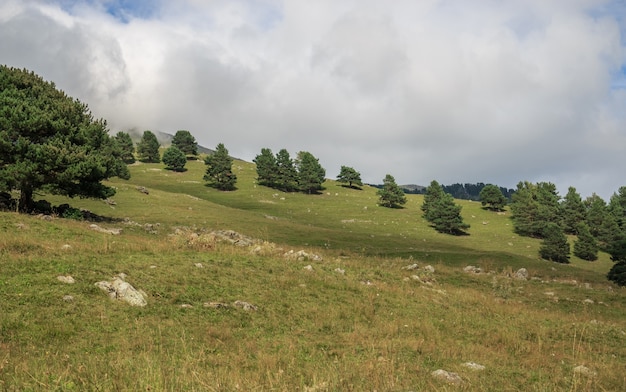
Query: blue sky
451, 90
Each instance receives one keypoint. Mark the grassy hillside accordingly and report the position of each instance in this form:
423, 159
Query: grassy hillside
374, 326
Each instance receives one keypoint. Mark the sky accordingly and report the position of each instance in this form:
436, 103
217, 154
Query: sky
492, 91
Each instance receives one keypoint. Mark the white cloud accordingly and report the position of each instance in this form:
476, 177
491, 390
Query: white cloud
448, 90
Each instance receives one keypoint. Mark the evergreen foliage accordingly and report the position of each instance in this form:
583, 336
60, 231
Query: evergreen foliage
125, 144
148, 148
185, 142
286, 174
311, 174
50, 141
219, 172
442, 212
573, 211
491, 196
554, 246
617, 207
174, 159
534, 206
391, 195
350, 176
266, 168
617, 273
586, 246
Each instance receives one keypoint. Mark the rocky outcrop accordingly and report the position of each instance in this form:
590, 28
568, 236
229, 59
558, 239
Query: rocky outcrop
119, 289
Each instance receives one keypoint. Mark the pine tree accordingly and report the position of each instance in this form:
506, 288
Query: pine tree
617, 207
266, 168
350, 176
185, 142
434, 193
491, 196
148, 148
533, 207
286, 175
391, 195
573, 211
126, 146
174, 159
442, 212
554, 246
311, 174
51, 141
586, 246
219, 172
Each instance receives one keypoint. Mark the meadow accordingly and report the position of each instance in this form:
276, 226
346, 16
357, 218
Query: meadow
357, 320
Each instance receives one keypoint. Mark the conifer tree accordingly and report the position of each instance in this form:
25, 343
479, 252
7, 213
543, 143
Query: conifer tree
554, 246
50, 141
266, 168
125, 143
391, 195
174, 159
491, 196
185, 142
434, 193
286, 175
586, 246
311, 174
148, 148
350, 176
573, 211
219, 172
442, 212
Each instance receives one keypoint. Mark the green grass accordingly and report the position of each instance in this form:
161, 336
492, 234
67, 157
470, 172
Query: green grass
315, 330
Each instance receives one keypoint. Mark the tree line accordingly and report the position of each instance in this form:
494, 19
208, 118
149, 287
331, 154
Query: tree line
50, 142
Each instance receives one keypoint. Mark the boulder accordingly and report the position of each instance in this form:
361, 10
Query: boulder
66, 279
471, 269
521, 274
449, 377
119, 289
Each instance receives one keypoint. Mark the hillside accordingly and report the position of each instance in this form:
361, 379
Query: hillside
351, 313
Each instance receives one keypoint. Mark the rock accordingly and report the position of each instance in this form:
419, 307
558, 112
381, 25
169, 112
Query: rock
66, 279
411, 267
446, 376
215, 305
68, 298
471, 269
584, 371
340, 271
66, 247
301, 255
308, 267
142, 190
199, 265
430, 269
104, 230
473, 366
521, 274
119, 289
233, 237
245, 305
588, 301
186, 306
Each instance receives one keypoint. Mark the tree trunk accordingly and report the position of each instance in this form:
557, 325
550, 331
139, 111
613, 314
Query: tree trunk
26, 199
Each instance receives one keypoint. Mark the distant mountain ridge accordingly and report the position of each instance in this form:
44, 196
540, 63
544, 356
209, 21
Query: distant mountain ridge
165, 139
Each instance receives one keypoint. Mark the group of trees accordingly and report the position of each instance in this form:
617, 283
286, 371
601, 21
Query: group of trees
51, 142
465, 191
282, 172
538, 211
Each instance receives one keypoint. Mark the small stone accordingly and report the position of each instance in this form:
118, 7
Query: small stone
199, 265
588, 301
446, 376
471, 269
245, 305
340, 271
411, 267
66, 279
68, 298
584, 371
308, 267
215, 305
186, 306
521, 274
66, 247
473, 366
430, 269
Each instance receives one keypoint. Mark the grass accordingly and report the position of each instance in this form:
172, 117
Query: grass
375, 327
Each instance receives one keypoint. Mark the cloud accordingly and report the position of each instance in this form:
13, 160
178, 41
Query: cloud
491, 92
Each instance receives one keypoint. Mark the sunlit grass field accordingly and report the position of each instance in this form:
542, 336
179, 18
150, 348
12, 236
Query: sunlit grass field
374, 327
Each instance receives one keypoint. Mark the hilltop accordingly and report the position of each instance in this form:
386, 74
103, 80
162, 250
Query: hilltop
345, 296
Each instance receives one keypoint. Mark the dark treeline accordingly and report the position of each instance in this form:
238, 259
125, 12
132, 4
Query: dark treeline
458, 191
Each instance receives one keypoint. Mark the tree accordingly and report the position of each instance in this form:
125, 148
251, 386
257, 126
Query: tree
286, 173
266, 168
533, 207
50, 141
617, 207
491, 196
174, 159
441, 211
350, 176
391, 195
573, 211
148, 148
219, 172
586, 246
185, 142
617, 273
554, 246
125, 144
311, 174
